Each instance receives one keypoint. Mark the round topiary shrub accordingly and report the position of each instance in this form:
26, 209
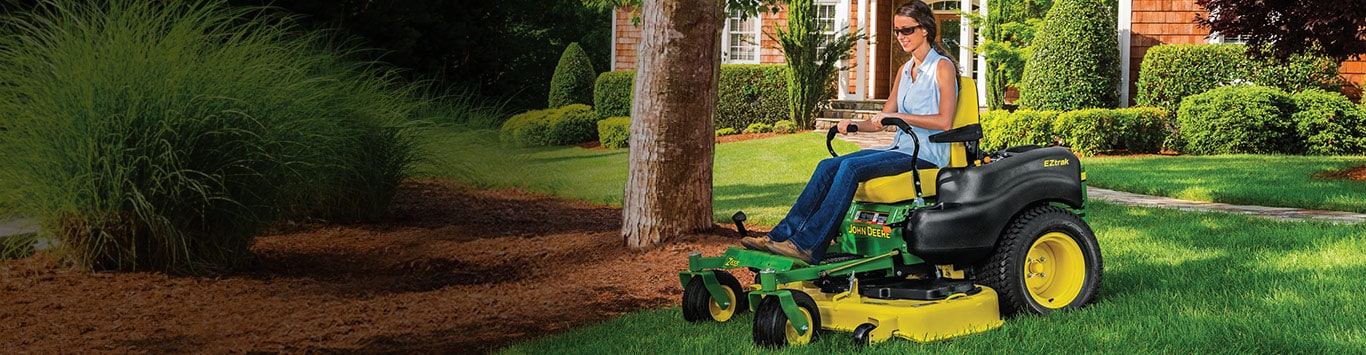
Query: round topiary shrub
1237, 119
612, 93
573, 79
784, 126
1171, 72
1329, 124
572, 124
1075, 60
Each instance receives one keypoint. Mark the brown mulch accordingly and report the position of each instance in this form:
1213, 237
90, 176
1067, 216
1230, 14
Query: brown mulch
1354, 174
455, 271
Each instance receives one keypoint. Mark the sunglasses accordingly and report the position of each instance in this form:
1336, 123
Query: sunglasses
905, 31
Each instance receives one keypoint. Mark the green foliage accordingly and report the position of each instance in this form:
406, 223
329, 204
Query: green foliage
726, 132
464, 107
784, 127
571, 124
573, 79
811, 58
615, 132
1007, 31
1092, 131
1172, 72
1074, 62
1237, 119
748, 93
758, 127
1023, 127
164, 135
1329, 124
751, 93
612, 93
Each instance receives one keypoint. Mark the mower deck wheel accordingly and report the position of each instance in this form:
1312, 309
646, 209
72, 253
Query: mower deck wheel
772, 328
698, 304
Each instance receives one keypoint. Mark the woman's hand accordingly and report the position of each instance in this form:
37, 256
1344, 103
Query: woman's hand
843, 126
872, 125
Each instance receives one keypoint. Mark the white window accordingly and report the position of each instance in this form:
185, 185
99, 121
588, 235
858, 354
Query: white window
825, 13
740, 44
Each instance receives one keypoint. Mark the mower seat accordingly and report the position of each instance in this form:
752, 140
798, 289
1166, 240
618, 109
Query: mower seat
966, 129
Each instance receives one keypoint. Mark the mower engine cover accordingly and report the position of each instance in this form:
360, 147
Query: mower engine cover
976, 202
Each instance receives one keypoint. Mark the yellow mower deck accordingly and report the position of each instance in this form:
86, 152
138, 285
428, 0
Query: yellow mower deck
921, 321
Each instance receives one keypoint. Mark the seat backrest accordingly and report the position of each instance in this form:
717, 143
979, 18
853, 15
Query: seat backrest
967, 115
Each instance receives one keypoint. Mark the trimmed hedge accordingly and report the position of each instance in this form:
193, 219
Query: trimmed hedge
615, 132
758, 128
1171, 72
1237, 119
1329, 124
571, 124
1075, 59
1092, 131
748, 94
784, 126
572, 82
1022, 127
612, 93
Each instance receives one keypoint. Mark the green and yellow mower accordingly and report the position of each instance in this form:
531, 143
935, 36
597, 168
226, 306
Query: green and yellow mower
995, 234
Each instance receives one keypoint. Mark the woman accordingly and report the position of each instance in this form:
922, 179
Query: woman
924, 95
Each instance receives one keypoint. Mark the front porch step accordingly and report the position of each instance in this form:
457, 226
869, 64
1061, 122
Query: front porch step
874, 105
836, 110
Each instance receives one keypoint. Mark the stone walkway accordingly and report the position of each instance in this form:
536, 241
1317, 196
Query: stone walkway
881, 139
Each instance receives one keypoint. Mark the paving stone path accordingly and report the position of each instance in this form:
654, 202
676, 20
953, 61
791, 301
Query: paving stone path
880, 139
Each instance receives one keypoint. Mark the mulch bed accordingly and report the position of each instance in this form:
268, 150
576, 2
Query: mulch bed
455, 270
1354, 174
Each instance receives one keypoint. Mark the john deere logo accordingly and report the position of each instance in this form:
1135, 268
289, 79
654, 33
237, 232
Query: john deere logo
871, 231
1054, 162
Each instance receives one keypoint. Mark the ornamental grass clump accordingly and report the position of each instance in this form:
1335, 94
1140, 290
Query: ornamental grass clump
164, 135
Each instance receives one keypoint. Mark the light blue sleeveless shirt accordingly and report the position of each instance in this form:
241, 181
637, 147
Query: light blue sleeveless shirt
921, 97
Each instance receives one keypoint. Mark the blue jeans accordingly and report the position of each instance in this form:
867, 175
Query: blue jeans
815, 218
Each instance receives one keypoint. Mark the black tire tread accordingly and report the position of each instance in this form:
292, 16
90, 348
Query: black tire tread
996, 271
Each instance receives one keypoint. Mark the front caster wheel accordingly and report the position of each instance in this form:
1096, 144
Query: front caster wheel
698, 304
772, 328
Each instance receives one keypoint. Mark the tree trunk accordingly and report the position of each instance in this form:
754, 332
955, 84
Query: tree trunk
668, 187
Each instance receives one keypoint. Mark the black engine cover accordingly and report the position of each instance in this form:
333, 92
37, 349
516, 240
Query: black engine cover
976, 202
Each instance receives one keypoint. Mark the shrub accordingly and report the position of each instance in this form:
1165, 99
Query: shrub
571, 124
748, 94
526, 129
612, 93
992, 129
1237, 119
751, 94
758, 128
615, 132
1092, 131
1075, 59
784, 127
1329, 124
210, 123
725, 131
572, 82
1172, 72
1022, 127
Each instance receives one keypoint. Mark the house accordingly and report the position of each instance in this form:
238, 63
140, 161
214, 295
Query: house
1142, 25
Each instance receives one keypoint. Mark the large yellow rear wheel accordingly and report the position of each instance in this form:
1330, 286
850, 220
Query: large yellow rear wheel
1047, 260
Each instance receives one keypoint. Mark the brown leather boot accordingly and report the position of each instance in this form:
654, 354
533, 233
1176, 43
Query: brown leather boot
756, 243
787, 248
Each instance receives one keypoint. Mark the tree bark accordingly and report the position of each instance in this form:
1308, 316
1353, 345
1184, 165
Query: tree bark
669, 182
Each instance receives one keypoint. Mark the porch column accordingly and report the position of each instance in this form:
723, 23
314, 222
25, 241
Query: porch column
842, 27
965, 36
981, 61
864, 60
1125, 34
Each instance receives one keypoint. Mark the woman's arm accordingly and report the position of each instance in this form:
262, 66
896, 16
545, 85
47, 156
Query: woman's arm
948, 102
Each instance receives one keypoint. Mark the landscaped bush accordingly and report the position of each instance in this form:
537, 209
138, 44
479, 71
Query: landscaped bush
1023, 127
748, 94
1237, 119
615, 132
164, 135
1092, 131
726, 132
758, 128
784, 127
612, 93
1171, 72
571, 124
572, 82
751, 94
1329, 124
1075, 59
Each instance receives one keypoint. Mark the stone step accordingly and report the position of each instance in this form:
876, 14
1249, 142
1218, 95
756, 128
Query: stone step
875, 105
823, 124
850, 114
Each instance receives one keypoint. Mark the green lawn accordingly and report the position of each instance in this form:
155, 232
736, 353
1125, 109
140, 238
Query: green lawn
1267, 180
762, 177
1175, 282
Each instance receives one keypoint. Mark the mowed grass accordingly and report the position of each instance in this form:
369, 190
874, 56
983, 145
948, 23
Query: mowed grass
762, 177
1266, 180
1174, 282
